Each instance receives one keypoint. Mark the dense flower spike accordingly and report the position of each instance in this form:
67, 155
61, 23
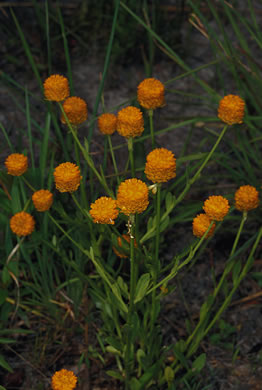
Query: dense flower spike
75, 109
107, 123
160, 165
216, 207
130, 122
56, 88
246, 198
132, 196
22, 224
231, 109
67, 177
64, 380
200, 225
104, 210
16, 164
43, 200
150, 93
120, 253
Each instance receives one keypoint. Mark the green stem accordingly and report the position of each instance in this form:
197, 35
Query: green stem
156, 257
113, 157
27, 183
130, 145
231, 261
150, 114
84, 152
129, 361
245, 270
197, 174
85, 251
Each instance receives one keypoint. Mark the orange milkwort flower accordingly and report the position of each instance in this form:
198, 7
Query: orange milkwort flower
130, 122
104, 210
150, 93
75, 109
107, 123
43, 200
160, 165
120, 252
56, 88
246, 198
216, 207
67, 177
16, 164
132, 196
22, 224
231, 109
200, 225
64, 380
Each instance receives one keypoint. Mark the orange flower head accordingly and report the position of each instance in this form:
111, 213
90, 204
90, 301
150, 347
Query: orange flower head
200, 225
67, 177
130, 122
231, 109
160, 165
132, 196
56, 88
104, 210
150, 93
216, 207
43, 200
22, 224
64, 380
246, 198
16, 164
107, 123
120, 253
75, 109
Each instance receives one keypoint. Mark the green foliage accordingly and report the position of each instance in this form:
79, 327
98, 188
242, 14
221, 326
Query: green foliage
68, 260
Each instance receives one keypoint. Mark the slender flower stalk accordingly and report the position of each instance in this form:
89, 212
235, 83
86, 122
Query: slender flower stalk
151, 124
129, 360
113, 158
197, 174
85, 154
130, 145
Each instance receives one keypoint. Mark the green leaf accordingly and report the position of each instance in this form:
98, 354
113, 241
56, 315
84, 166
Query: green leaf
117, 293
6, 341
199, 363
235, 272
170, 200
115, 374
141, 287
123, 286
169, 375
113, 350
2, 388
5, 275
5, 365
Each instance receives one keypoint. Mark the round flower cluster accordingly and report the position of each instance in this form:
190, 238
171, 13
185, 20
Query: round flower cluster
104, 210
16, 164
200, 225
119, 252
56, 88
43, 200
246, 198
67, 177
216, 207
75, 109
64, 380
150, 93
132, 196
160, 165
22, 224
231, 109
107, 123
130, 122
